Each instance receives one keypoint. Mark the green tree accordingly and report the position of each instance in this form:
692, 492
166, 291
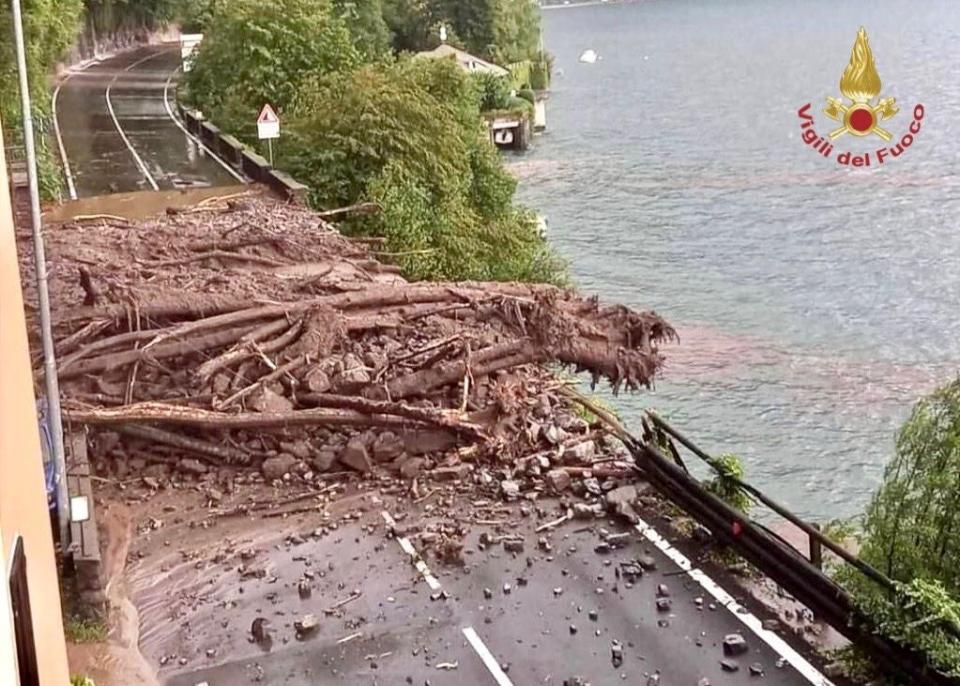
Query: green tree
255, 53
364, 19
911, 532
50, 27
408, 136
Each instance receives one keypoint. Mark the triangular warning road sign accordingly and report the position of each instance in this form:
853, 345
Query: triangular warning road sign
267, 116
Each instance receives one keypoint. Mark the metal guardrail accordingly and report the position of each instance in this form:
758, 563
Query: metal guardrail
777, 559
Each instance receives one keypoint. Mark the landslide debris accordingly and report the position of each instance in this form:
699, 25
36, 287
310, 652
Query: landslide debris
248, 333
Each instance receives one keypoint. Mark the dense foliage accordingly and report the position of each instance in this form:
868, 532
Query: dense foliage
911, 532
405, 133
50, 27
725, 484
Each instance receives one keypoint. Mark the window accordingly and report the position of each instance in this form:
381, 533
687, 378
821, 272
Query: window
22, 619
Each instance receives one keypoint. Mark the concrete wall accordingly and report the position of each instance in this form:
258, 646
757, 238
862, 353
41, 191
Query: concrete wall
244, 160
23, 500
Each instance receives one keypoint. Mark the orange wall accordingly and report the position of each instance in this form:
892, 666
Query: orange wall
23, 501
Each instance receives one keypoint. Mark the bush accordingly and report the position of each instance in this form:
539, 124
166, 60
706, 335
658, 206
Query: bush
528, 95
493, 91
724, 486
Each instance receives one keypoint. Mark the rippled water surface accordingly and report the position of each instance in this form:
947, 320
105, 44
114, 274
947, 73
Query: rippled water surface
815, 302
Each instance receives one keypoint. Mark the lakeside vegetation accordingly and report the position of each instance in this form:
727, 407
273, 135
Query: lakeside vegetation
911, 534
366, 123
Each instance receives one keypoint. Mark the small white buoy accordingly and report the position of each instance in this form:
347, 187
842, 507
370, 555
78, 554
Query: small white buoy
589, 56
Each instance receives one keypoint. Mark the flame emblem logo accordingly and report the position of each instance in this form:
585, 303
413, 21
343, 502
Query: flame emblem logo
860, 84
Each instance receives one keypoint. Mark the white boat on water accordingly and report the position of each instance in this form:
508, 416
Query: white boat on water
589, 56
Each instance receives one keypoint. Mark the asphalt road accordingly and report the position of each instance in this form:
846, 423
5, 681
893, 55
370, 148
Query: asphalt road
118, 132
561, 617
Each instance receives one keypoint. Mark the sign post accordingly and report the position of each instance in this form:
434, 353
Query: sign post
268, 128
189, 42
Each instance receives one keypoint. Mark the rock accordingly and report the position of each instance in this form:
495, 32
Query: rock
756, 669
513, 545
664, 604
215, 495
411, 467
488, 593
151, 482
558, 480
276, 467
579, 453
265, 400
510, 489
323, 460
387, 447
620, 501
704, 682
584, 511
833, 670
306, 625
157, 471
454, 473
654, 679
729, 666
648, 562
355, 456
772, 624
353, 372
734, 644
428, 441
576, 681
258, 629
553, 434
304, 590
663, 591
592, 486
299, 449
191, 466
616, 653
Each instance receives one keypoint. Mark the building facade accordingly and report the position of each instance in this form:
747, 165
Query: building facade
32, 646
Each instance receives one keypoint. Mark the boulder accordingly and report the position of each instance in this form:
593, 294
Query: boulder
411, 467
266, 400
620, 502
191, 466
276, 467
299, 449
558, 480
323, 460
387, 447
355, 456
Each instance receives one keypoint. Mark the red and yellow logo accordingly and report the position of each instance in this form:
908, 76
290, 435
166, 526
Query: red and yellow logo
860, 112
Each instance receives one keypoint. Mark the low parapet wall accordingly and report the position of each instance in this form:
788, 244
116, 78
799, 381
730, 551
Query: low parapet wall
241, 158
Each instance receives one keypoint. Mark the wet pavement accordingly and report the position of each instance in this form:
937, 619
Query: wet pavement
117, 124
542, 614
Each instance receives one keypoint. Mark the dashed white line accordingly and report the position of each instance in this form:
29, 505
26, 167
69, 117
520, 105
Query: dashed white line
489, 661
793, 658
408, 548
166, 102
116, 123
71, 188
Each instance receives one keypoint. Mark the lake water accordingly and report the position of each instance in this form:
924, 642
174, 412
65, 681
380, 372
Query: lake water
815, 302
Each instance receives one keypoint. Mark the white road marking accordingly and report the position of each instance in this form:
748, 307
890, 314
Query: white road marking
116, 123
71, 188
166, 101
793, 658
488, 659
408, 548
